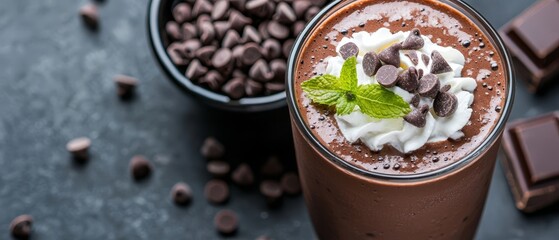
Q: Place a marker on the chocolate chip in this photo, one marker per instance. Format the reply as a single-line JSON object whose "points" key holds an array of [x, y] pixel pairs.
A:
{"points": [[218, 169], [212, 80], [349, 50], [439, 63], [250, 54], [221, 27], [429, 86], [195, 70], [181, 193], [414, 41], [212, 148], [260, 71], [417, 117], [201, 7], [287, 46], [298, 27], [189, 47], [90, 16], [207, 32], [391, 55], [445, 88], [238, 21], [413, 57], [272, 168], [205, 54], [371, 63], [175, 54], [239, 74], [140, 167], [234, 88], [271, 49], [216, 191], [182, 13], [272, 191], [445, 104], [425, 59], [290, 183], [173, 30], [415, 100], [273, 87], [222, 60], [79, 148], [419, 73], [238, 4], [189, 31], [259, 8], [226, 222], [408, 79], [231, 39], [284, 14], [253, 88], [243, 175], [21, 227], [300, 8], [125, 85], [278, 67], [387, 76], [278, 30], [250, 34], [263, 30], [311, 12], [220, 10]]}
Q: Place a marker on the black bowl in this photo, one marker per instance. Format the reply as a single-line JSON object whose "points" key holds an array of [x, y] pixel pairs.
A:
{"points": [[159, 13]]}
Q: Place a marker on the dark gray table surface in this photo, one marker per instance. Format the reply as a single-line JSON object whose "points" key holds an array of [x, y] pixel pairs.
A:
{"points": [[55, 84]]}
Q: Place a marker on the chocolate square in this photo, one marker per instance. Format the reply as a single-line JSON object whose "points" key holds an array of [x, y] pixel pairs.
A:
{"points": [[533, 39], [532, 161]]}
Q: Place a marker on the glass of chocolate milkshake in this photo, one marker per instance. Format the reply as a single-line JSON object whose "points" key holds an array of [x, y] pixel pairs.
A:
{"points": [[397, 110]]}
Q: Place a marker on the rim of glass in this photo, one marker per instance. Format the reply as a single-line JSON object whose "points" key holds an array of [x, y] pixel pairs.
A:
{"points": [[154, 34], [458, 5]]}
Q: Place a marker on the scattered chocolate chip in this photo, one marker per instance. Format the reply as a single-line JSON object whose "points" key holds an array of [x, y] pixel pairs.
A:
{"points": [[419, 73], [189, 31], [277, 30], [212, 148], [408, 79], [238, 21], [234, 88], [250, 54], [90, 15], [391, 55], [79, 148], [272, 191], [445, 104], [181, 193], [387, 76], [290, 183], [287, 46], [212, 80], [415, 100], [182, 13], [231, 39], [263, 30], [250, 34], [429, 86], [311, 12], [300, 8], [218, 169], [278, 67], [175, 54], [271, 49], [349, 50], [222, 60], [243, 175], [272, 168], [439, 63], [414, 41], [201, 7], [205, 54], [173, 30], [21, 227], [445, 88], [216, 191], [260, 71], [189, 47], [238, 4], [417, 117], [413, 57], [226, 222], [140, 167], [284, 14], [253, 88], [125, 85], [220, 10], [221, 27], [207, 32], [298, 27], [425, 59], [259, 8], [195, 70], [274, 87], [371, 63]]}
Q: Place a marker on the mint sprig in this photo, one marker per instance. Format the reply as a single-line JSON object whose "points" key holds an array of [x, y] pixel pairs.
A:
{"points": [[344, 93]]}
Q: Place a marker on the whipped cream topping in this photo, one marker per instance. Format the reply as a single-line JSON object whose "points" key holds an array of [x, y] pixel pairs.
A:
{"points": [[403, 136]]}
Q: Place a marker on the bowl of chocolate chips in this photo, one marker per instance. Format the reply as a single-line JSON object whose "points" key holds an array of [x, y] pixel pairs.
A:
{"points": [[230, 54]]}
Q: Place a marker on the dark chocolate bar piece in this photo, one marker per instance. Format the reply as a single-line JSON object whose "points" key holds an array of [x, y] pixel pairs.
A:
{"points": [[533, 39], [532, 161]]}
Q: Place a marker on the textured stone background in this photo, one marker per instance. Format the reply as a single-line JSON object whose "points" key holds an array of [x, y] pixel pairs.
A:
{"points": [[55, 84]]}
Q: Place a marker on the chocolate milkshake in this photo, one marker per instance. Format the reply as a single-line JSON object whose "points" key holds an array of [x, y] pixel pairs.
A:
{"points": [[397, 111]]}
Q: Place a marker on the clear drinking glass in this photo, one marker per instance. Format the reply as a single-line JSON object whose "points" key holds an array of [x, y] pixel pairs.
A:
{"points": [[347, 202]]}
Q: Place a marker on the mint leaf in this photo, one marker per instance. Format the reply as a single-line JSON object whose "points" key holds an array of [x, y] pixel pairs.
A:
{"points": [[323, 89], [346, 104], [348, 75], [375, 101]]}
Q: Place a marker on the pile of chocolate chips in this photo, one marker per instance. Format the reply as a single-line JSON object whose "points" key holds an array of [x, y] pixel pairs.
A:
{"points": [[385, 66], [237, 47]]}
